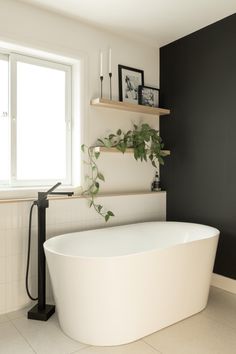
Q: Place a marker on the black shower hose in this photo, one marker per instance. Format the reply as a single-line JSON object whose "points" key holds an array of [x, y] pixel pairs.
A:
{"points": [[28, 255]]}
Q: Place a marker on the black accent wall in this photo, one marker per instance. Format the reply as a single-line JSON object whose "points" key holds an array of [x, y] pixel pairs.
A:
{"points": [[198, 84]]}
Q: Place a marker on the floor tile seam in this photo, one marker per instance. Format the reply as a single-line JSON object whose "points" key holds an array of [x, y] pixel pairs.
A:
{"points": [[80, 350], [224, 291], [25, 339], [223, 323], [151, 346], [90, 346], [5, 320], [15, 318]]}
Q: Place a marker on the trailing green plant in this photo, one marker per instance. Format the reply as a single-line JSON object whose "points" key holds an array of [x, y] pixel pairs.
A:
{"points": [[146, 144], [145, 141], [93, 181]]}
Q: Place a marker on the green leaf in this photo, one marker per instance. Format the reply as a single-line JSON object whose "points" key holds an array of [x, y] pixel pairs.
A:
{"points": [[101, 177], [121, 147], [91, 203], [151, 157], [97, 154], [136, 154], [111, 136], [101, 142], [96, 185], [94, 192], [154, 164], [119, 132], [107, 217], [83, 147], [161, 161], [110, 213], [107, 142], [99, 208]]}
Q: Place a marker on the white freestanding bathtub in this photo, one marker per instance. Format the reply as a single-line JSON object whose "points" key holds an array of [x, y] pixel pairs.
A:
{"points": [[115, 285]]}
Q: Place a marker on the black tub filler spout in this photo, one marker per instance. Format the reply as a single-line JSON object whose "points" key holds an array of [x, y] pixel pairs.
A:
{"points": [[41, 311]]}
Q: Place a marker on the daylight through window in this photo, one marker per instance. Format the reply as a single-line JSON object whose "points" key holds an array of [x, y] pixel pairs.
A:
{"points": [[35, 121]]}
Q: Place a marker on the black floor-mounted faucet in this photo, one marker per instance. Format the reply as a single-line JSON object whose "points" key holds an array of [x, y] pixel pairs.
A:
{"points": [[42, 311]]}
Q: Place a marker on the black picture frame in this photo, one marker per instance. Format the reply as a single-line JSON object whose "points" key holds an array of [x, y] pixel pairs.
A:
{"points": [[129, 81], [148, 96]]}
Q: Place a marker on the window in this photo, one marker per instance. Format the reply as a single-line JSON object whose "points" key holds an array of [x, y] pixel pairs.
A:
{"points": [[35, 138], [4, 121]]}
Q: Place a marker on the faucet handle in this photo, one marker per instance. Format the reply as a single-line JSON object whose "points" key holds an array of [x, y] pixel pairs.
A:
{"points": [[52, 189]]}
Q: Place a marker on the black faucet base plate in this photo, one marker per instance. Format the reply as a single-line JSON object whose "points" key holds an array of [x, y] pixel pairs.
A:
{"points": [[41, 315]]}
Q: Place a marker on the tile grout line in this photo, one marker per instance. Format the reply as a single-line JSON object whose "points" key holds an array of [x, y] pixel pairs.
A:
{"points": [[151, 346], [4, 320], [22, 316], [225, 324], [79, 350], [22, 334]]}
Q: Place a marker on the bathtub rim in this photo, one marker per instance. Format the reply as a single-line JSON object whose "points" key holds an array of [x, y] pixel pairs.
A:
{"points": [[216, 234]]}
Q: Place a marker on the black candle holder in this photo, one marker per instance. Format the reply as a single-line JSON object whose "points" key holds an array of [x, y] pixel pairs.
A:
{"points": [[101, 79], [110, 76]]}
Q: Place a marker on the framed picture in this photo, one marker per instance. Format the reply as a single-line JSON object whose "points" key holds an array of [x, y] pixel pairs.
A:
{"points": [[129, 81], [148, 96]]}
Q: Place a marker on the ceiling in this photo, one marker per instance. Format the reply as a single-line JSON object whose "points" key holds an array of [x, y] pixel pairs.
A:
{"points": [[157, 22]]}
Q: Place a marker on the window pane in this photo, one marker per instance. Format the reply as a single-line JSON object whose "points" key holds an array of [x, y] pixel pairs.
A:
{"points": [[4, 122], [41, 128]]}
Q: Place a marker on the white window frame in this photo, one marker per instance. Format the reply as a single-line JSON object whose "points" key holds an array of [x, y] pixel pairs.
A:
{"points": [[13, 59], [5, 57]]}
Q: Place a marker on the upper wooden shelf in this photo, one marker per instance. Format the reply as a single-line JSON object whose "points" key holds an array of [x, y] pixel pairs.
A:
{"points": [[125, 106]]}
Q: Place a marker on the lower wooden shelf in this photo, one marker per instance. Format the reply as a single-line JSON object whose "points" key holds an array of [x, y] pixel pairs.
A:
{"points": [[128, 150]]}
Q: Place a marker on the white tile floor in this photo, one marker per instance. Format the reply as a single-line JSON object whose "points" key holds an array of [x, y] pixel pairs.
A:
{"points": [[213, 331]]}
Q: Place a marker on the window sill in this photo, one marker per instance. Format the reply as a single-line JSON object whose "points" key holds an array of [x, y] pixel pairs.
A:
{"points": [[21, 194]]}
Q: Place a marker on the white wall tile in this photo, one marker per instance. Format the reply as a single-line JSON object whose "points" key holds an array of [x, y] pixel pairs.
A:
{"points": [[16, 241], [3, 264], [3, 298], [63, 216], [3, 241], [16, 296], [15, 267]]}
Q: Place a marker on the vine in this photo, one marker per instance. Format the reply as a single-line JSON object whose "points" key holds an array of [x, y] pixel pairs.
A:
{"points": [[146, 143]]}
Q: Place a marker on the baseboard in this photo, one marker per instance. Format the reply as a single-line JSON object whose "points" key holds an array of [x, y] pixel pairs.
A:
{"points": [[224, 283]]}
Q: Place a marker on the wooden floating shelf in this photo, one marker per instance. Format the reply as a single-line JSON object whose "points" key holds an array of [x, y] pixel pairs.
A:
{"points": [[125, 106], [128, 150]]}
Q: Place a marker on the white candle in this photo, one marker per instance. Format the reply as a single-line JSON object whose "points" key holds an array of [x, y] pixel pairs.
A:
{"points": [[110, 60], [101, 63]]}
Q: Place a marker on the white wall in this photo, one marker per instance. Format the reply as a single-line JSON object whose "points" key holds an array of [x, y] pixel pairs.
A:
{"points": [[34, 28]]}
